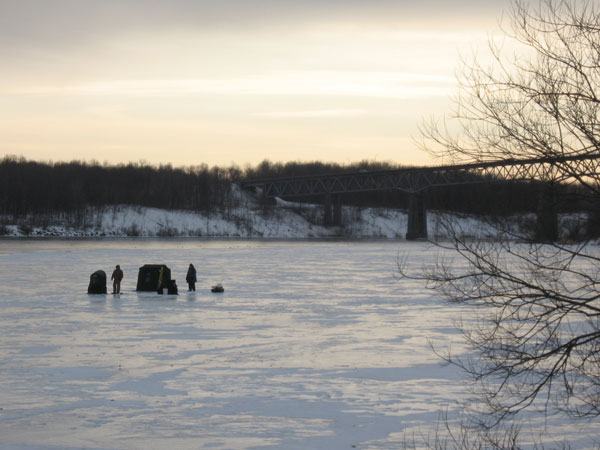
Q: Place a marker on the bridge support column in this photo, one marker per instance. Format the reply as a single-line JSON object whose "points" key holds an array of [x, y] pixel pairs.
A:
{"points": [[417, 217], [547, 215], [337, 210], [593, 222], [332, 210], [327, 211]]}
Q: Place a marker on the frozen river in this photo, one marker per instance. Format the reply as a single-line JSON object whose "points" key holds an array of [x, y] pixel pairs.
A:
{"points": [[313, 345]]}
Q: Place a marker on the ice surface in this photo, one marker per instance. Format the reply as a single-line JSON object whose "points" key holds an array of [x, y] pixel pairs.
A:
{"points": [[313, 345]]}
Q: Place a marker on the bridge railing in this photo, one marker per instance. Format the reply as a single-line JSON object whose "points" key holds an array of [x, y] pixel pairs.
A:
{"points": [[577, 168], [564, 169]]}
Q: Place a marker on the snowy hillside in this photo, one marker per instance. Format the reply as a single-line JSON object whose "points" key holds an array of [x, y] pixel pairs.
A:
{"points": [[298, 221], [248, 219]]}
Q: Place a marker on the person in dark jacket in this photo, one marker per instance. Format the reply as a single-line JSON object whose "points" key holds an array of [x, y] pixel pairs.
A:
{"points": [[117, 276], [191, 278]]}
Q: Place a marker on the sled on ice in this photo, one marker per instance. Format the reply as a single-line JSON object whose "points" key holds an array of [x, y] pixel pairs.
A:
{"points": [[217, 288]]}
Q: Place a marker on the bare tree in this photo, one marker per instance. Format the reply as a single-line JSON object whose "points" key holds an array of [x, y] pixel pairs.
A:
{"points": [[537, 343], [538, 98]]}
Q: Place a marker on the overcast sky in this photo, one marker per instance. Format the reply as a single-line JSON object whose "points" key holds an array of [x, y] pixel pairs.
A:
{"points": [[190, 82]]}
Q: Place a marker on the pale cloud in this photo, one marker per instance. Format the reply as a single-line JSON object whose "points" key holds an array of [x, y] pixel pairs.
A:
{"points": [[314, 114], [70, 22], [199, 80], [317, 83]]}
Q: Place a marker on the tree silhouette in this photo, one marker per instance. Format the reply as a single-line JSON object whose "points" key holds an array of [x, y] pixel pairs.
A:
{"points": [[537, 341]]}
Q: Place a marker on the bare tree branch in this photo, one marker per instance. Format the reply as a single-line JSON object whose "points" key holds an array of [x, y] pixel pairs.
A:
{"points": [[537, 341]]}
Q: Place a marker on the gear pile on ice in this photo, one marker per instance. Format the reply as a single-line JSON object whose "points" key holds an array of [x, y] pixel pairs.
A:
{"points": [[97, 282], [156, 278]]}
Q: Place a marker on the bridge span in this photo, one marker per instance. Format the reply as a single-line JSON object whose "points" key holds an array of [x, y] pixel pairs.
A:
{"points": [[415, 181]]}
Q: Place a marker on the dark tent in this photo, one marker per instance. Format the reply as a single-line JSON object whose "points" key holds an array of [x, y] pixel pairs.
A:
{"points": [[97, 283], [155, 278]]}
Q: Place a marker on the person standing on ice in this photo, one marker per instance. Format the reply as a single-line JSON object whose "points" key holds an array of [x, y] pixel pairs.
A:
{"points": [[117, 276], [191, 278]]}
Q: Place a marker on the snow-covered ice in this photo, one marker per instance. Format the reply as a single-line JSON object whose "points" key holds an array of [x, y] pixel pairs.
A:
{"points": [[313, 345]]}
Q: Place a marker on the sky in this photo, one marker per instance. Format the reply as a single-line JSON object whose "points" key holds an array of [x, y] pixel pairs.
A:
{"points": [[188, 82]]}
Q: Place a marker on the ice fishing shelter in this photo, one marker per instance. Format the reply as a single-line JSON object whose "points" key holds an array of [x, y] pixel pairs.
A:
{"points": [[97, 282], [156, 278]]}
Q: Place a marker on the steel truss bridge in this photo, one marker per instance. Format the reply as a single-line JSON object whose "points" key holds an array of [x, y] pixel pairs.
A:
{"points": [[567, 169]]}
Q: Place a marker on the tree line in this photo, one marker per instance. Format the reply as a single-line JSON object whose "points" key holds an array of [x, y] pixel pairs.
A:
{"points": [[30, 187]]}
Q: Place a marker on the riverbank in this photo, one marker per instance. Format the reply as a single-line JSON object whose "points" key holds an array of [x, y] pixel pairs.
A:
{"points": [[246, 218], [285, 221]]}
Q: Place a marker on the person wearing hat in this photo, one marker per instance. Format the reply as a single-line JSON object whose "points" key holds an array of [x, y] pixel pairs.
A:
{"points": [[117, 276]]}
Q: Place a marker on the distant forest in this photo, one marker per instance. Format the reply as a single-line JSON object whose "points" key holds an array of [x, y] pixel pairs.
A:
{"points": [[29, 188]]}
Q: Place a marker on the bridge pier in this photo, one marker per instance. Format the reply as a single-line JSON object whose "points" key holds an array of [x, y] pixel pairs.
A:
{"points": [[417, 217], [332, 208], [327, 211], [547, 215], [337, 210]]}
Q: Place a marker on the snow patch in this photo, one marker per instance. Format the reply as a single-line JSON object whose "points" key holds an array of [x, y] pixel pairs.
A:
{"points": [[284, 220]]}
